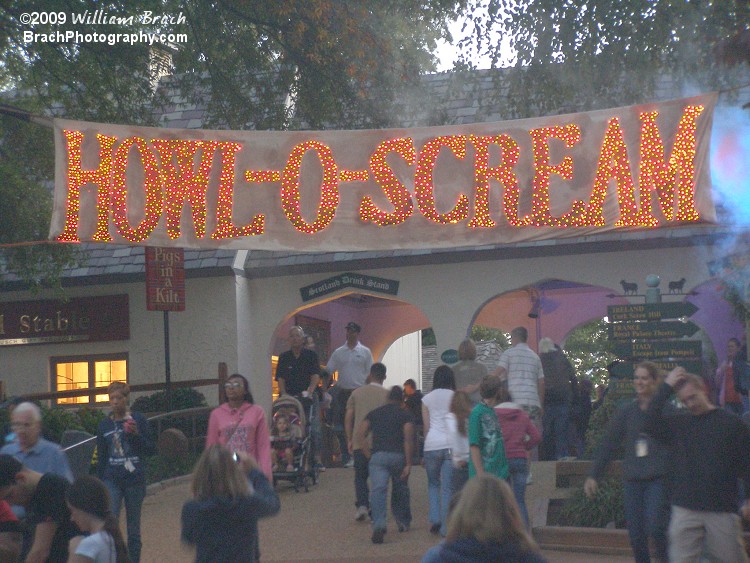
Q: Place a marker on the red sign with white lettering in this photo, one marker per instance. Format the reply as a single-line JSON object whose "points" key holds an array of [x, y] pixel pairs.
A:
{"points": [[165, 279]]}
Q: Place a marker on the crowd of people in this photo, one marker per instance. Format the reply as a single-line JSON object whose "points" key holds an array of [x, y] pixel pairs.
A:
{"points": [[685, 470]]}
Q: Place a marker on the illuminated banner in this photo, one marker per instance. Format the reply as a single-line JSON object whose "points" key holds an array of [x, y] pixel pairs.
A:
{"points": [[486, 183]]}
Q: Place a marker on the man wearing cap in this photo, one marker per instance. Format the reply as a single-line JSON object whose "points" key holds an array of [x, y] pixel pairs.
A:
{"points": [[43, 496], [352, 361]]}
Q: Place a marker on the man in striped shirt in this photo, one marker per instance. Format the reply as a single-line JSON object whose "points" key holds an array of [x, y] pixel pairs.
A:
{"points": [[522, 368]]}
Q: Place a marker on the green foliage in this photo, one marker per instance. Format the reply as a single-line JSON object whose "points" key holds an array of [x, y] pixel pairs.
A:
{"points": [[26, 203], [182, 398], [251, 65], [481, 333], [613, 52], [733, 294], [90, 417], [588, 349], [607, 506], [159, 468], [428, 337], [57, 420], [598, 426]]}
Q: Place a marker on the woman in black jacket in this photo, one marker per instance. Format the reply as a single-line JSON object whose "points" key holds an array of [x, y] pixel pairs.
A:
{"points": [[645, 467]]}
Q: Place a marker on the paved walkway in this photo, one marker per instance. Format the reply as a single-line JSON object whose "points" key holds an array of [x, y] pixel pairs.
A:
{"points": [[319, 526]]}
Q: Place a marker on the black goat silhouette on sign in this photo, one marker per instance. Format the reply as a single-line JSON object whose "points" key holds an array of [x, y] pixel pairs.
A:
{"points": [[676, 286], [629, 287]]}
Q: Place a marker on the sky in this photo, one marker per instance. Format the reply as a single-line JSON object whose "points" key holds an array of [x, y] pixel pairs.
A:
{"points": [[447, 53]]}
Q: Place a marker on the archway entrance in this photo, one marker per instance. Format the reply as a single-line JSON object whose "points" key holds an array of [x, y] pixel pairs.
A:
{"points": [[383, 320]]}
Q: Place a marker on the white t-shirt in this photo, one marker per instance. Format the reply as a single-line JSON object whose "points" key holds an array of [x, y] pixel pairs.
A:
{"points": [[438, 403], [99, 547], [353, 365], [524, 372], [459, 442]]}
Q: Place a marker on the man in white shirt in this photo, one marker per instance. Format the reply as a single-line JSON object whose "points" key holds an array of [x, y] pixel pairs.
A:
{"points": [[352, 361], [522, 368]]}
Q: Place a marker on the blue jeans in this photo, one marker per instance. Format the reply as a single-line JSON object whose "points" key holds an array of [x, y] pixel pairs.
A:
{"points": [[459, 478], [647, 515], [518, 471], [439, 468], [385, 466], [361, 474], [133, 496], [555, 421]]}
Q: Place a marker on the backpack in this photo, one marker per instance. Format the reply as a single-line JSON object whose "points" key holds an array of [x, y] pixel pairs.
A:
{"points": [[558, 376]]}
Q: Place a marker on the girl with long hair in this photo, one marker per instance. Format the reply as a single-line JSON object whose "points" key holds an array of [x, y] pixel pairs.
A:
{"points": [[240, 425], [229, 498], [457, 421], [437, 450], [485, 525], [646, 467], [89, 504]]}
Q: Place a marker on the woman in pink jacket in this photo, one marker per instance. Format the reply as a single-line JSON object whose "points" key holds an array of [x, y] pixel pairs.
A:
{"points": [[240, 425], [519, 436]]}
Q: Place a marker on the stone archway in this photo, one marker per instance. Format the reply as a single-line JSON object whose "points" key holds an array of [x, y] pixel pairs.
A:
{"points": [[383, 321]]}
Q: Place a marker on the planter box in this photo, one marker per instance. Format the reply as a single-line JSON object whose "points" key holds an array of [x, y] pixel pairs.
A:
{"points": [[573, 473], [584, 540], [591, 540]]}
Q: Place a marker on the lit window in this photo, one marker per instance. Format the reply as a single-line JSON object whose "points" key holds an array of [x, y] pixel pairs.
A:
{"points": [[86, 372]]}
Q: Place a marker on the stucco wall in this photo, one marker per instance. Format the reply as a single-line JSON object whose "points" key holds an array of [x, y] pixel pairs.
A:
{"points": [[200, 337], [449, 296]]}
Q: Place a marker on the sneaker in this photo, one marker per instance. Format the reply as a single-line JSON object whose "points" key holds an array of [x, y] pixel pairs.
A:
{"points": [[529, 479], [320, 467], [349, 463], [361, 514], [402, 527], [378, 535]]}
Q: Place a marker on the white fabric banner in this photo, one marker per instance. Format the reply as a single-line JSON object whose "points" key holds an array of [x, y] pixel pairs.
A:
{"points": [[434, 187]]}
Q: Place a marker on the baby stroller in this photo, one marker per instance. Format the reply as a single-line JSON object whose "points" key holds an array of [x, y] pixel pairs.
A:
{"points": [[304, 472]]}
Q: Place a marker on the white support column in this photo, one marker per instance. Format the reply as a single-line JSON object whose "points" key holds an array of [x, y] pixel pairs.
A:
{"points": [[252, 358]]}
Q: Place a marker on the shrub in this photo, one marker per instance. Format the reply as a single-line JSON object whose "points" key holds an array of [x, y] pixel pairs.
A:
{"points": [[606, 506], [56, 420], [90, 417], [598, 426], [159, 468], [183, 398]]}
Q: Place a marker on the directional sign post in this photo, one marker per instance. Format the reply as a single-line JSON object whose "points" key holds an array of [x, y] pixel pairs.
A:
{"points": [[655, 332], [651, 330], [626, 369], [659, 349], [650, 311]]}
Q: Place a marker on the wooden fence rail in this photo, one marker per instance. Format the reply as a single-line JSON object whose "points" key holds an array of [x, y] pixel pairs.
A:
{"points": [[93, 391]]}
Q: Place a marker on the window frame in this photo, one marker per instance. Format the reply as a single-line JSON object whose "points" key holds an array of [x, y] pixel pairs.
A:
{"points": [[91, 360]]}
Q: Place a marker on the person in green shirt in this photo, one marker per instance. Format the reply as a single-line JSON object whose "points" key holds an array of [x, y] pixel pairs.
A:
{"points": [[485, 438]]}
